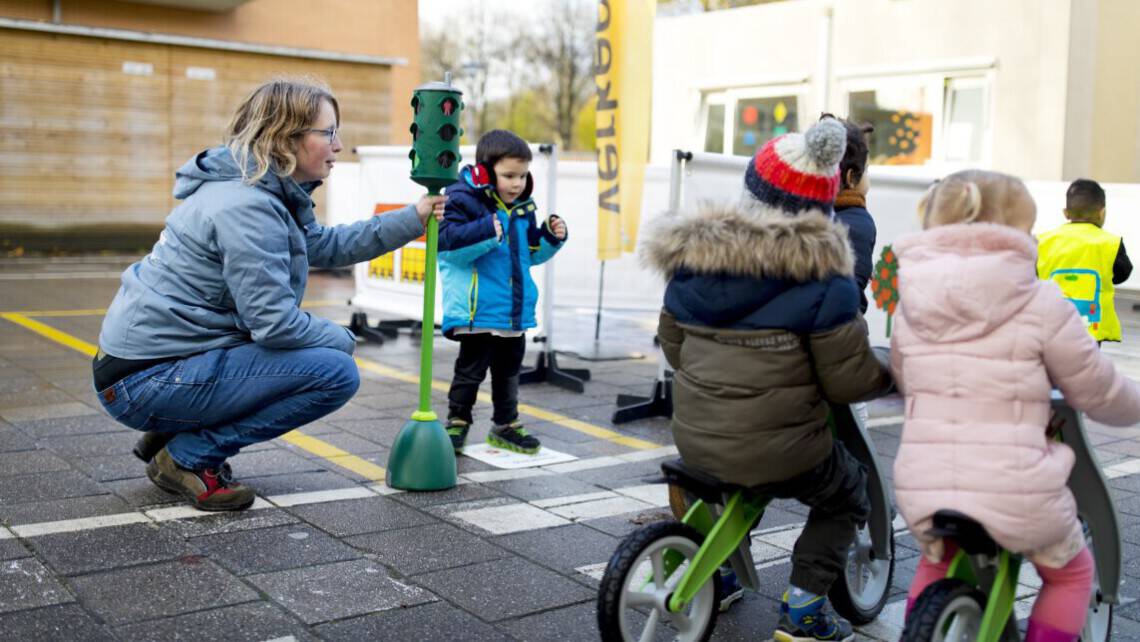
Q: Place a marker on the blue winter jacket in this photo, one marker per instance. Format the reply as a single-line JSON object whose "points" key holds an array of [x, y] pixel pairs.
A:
{"points": [[861, 230], [231, 265], [486, 281]]}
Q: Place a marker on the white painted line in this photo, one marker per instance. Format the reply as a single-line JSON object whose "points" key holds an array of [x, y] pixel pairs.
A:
{"points": [[287, 638], [585, 464], [175, 512], [655, 494], [512, 518], [889, 624], [601, 508], [384, 489], [1123, 468], [81, 524], [320, 496], [595, 571], [6, 534], [646, 455], [485, 476], [572, 499], [884, 421], [171, 513], [785, 539]]}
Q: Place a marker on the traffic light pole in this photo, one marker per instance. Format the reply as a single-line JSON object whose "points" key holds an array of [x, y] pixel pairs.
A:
{"points": [[422, 457]]}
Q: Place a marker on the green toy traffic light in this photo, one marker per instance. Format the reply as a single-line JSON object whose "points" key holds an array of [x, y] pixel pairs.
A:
{"points": [[422, 457], [435, 134]]}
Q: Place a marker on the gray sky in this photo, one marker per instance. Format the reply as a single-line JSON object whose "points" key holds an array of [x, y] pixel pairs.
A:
{"points": [[438, 12]]}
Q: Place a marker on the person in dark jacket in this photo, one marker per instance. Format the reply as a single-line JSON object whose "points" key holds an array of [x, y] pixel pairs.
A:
{"points": [[761, 324], [851, 204], [205, 348], [488, 241]]}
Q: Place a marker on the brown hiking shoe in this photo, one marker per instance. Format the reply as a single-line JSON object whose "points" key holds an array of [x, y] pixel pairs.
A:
{"points": [[206, 489]]}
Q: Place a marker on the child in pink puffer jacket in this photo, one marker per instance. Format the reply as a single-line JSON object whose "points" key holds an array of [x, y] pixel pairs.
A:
{"points": [[978, 344]]}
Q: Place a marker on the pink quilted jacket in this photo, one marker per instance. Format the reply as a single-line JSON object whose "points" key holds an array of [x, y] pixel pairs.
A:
{"points": [[977, 342]]}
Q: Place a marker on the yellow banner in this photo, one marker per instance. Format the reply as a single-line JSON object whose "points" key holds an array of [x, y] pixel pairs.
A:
{"points": [[623, 71]]}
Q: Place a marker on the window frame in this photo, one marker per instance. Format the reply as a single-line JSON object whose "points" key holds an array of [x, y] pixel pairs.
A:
{"points": [[936, 88], [729, 97]]}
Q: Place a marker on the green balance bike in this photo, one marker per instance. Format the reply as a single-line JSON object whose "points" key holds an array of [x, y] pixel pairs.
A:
{"points": [[975, 602], [662, 581]]}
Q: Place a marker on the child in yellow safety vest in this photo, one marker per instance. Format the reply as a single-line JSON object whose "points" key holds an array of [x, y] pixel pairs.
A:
{"points": [[1085, 260]]}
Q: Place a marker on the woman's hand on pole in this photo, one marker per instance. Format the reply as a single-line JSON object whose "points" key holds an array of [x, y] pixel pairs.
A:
{"points": [[429, 205]]}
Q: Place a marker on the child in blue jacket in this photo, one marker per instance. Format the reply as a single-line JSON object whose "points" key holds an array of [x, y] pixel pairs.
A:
{"points": [[488, 241]]}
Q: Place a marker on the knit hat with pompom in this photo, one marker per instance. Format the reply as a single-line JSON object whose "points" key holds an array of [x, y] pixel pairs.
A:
{"points": [[798, 172]]}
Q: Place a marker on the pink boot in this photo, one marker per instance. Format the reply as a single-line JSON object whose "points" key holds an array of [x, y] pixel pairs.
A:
{"points": [[1039, 632]]}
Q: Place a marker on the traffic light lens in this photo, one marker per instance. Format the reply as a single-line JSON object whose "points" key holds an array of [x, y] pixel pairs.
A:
{"points": [[415, 131], [447, 132], [415, 104], [446, 158], [448, 106]]}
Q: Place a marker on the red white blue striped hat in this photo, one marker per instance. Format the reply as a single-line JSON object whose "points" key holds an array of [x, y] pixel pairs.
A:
{"points": [[797, 172]]}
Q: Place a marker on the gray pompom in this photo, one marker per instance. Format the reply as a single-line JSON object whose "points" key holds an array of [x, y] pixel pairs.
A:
{"points": [[826, 141]]}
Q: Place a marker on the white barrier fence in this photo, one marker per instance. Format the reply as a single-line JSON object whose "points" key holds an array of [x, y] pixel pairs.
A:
{"points": [[392, 283]]}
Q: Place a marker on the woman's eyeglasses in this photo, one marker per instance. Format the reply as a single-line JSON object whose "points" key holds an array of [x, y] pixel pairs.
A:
{"points": [[330, 133]]}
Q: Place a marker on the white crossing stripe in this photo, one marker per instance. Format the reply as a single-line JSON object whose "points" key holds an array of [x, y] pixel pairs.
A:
{"points": [[1123, 468], [485, 476], [511, 518], [320, 496], [6, 534], [81, 524], [646, 455], [585, 464], [600, 508], [573, 499], [878, 422]]}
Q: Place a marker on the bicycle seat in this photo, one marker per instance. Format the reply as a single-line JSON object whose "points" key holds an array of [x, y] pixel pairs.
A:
{"points": [[701, 484], [969, 534]]}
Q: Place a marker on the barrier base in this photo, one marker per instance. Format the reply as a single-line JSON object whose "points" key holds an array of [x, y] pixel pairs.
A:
{"points": [[546, 370], [658, 404]]}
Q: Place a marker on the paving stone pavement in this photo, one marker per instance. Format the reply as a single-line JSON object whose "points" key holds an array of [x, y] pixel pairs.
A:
{"points": [[90, 550]]}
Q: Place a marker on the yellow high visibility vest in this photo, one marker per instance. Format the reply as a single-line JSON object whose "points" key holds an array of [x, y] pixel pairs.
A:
{"points": [[1079, 257]]}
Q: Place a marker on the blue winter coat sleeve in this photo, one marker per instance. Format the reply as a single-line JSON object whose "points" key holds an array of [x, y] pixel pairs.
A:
{"points": [[340, 245], [254, 245], [861, 231], [544, 244], [467, 231]]}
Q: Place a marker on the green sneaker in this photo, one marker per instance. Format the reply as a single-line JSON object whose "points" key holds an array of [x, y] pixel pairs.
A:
{"points": [[809, 622], [457, 430], [515, 438]]}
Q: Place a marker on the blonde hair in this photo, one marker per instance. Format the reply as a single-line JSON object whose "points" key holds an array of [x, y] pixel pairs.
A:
{"points": [[978, 196], [267, 123]]}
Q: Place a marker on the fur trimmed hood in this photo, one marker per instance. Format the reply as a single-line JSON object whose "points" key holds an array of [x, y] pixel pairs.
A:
{"points": [[750, 241]]}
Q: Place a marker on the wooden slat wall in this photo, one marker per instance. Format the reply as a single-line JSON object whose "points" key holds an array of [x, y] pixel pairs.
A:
{"points": [[82, 142]]}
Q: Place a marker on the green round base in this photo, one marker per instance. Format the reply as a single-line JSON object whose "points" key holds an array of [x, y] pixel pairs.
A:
{"points": [[422, 458]]}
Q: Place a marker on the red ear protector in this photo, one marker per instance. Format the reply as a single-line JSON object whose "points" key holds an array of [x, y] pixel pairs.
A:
{"points": [[483, 175]]}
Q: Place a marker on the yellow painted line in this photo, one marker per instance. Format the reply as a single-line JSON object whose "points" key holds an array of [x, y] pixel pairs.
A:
{"points": [[94, 312], [335, 455], [604, 434], [51, 333], [63, 313], [319, 448]]}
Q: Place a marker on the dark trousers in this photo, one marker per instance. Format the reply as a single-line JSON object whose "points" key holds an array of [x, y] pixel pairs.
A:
{"points": [[836, 492], [477, 352]]}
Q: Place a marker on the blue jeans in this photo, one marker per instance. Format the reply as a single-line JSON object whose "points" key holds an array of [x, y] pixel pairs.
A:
{"points": [[221, 401]]}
